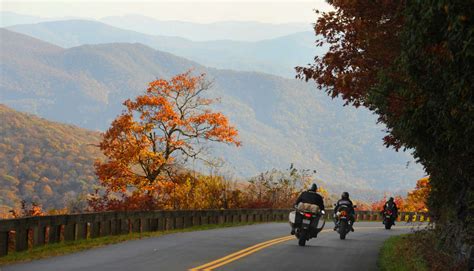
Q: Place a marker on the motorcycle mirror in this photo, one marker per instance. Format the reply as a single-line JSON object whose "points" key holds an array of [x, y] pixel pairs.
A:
{"points": [[334, 205]]}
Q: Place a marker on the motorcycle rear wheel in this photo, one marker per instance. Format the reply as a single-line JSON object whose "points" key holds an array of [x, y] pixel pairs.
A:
{"points": [[302, 241], [343, 231]]}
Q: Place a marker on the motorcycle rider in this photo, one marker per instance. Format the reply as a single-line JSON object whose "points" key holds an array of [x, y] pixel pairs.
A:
{"points": [[312, 197], [391, 205], [347, 202]]}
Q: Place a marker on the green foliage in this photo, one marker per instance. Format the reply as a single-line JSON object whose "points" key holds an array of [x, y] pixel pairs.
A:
{"points": [[412, 63], [427, 101], [43, 162], [417, 251]]}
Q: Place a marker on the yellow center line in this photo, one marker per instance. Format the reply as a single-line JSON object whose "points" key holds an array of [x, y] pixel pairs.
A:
{"points": [[237, 253], [246, 253], [250, 250]]}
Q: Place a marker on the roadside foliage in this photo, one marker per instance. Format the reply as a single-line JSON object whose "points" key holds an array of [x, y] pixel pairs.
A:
{"points": [[193, 190], [412, 63]]}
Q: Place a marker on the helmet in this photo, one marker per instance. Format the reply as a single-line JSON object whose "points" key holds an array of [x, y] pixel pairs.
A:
{"points": [[345, 195], [390, 199], [313, 188]]}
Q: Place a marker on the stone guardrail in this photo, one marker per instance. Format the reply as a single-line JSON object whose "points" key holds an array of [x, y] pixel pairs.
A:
{"points": [[24, 233]]}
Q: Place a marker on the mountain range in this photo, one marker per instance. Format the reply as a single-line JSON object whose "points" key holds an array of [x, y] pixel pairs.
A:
{"points": [[281, 121], [223, 30], [277, 56]]}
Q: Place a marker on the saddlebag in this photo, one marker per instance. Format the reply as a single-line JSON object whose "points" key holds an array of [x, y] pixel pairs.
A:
{"points": [[307, 207]]}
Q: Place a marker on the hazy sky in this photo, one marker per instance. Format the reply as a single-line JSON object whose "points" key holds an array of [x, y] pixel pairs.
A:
{"points": [[280, 11]]}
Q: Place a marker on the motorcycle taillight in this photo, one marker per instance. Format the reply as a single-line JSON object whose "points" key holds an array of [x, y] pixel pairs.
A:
{"points": [[307, 214]]}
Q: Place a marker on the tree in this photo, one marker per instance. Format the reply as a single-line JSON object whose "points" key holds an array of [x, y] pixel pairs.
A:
{"points": [[412, 63], [26, 210], [361, 40], [416, 199], [278, 188], [166, 125]]}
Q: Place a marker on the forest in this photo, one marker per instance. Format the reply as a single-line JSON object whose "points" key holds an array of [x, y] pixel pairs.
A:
{"points": [[43, 162]]}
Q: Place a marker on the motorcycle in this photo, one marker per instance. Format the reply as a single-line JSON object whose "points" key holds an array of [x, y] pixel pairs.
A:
{"points": [[388, 219], [343, 225], [305, 220]]}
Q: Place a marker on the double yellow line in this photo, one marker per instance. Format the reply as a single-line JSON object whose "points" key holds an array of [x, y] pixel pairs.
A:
{"points": [[240, 254], [247, 251]]}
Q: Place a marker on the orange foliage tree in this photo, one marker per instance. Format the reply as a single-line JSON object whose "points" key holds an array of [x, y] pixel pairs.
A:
{"points": [[183, 191], [199, 191], [26, 210], [378, 205], [416, 199], [156, 131]]}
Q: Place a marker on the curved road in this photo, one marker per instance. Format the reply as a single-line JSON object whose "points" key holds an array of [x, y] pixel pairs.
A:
{"points": [[254, 247]]}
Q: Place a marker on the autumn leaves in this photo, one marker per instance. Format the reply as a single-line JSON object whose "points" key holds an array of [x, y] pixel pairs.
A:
{"points": [[146, 145]]}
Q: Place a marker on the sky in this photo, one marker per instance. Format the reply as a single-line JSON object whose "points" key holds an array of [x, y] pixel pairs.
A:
{"points": [[279, 11]]}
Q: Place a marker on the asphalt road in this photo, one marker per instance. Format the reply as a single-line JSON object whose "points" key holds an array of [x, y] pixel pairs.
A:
{"points": [[184, 251]]}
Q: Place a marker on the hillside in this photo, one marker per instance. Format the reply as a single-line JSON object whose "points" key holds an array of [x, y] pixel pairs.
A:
{"points": [[43, 161], [281, 121], [277, 56]]}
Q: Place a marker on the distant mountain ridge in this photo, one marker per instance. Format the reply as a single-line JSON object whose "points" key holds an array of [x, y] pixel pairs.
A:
{"points": [[223, 30], [277, 56], [281, 121], [8, 18], [11, 18]]}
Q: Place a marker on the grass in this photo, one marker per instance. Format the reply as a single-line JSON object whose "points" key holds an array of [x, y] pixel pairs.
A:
{"points": [[418, 251], [399, 254], [63, 248]]}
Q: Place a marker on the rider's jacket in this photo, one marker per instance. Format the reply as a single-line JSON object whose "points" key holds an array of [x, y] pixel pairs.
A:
{"points": [[346, 202], [312, 198], [391, 206]]}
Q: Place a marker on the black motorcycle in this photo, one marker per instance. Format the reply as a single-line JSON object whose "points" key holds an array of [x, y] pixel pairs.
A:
{"points": [[343, 221], [306, 225], [388, 219]]}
